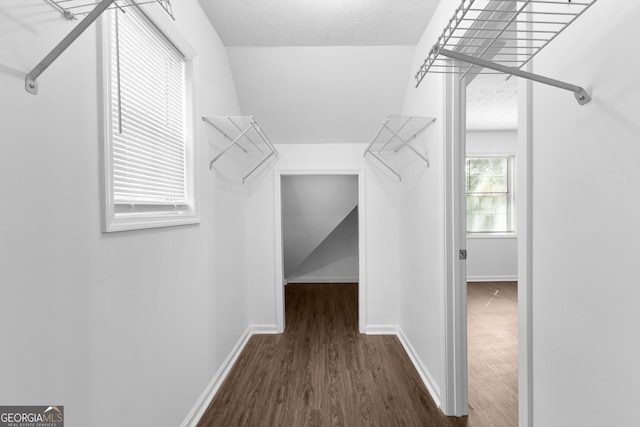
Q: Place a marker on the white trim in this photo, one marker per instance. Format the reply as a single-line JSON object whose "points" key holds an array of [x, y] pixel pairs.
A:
{"points": [[201, 405], [524, 213], [382, 330], [193, 417], [214, 385], [511, 278], [454, 396], [263, 329], [425, 375], [492, 235], [280, 281], [324, 279], [112, 221]]}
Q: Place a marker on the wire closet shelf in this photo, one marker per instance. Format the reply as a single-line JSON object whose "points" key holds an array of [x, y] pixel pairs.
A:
{"points": [[395, 133], [71, 9], [246, 137], [90, 10], [502, 37]]}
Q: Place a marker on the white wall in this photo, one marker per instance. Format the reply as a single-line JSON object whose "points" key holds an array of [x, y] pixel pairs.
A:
{"points": [[421, 208], [492, 258], [381, 273], [321, 94], [133, 323], [492, 142], [585, 213], [335, 260]]}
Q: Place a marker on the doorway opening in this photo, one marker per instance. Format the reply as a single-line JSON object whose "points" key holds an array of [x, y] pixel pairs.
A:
{"points": [[319, 236], [461, 251], [491, 147]]}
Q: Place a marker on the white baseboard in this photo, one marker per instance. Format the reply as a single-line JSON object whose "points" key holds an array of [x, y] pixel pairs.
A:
{"points": [[324, 279], [492, 278], [381, 330], [424, 373], [207, 396], [265, 329]]}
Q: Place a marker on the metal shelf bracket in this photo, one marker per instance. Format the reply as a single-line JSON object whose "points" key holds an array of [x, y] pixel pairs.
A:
{"points": [[395, 133], [581, 95], [244, 133], [502, 36], [31, 83]]}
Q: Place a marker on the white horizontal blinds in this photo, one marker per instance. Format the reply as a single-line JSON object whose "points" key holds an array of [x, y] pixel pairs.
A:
{"points": [[149, 112]]}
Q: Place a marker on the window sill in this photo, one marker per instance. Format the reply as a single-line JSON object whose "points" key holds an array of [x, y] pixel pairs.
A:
{"points": [[492, 236], [127, 223]]}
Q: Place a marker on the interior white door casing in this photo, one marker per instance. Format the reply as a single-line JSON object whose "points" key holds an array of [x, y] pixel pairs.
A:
{"points": [[455, 397], [455, 400], [279, 253]]}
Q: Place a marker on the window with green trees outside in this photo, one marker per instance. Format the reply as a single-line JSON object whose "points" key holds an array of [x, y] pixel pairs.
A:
{"points": [[490, 197]]}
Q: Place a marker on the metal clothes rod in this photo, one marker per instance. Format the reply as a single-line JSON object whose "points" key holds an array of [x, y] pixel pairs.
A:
{"points": [[78, 7], [244, 178], [30, 83], [395, 133], [228, 147], [239, 129], [250, 140], [491, 34], [385, 164], [581, 95]]}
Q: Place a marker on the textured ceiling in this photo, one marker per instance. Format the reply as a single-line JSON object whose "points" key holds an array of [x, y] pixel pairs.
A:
{"points": [[492, 103], [319, 22]]}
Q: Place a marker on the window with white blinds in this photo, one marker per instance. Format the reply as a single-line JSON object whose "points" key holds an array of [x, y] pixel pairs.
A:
{"points": [[150, 148]]}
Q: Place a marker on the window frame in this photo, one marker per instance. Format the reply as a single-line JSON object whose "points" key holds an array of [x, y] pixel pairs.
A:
{"points": [[511, 196], [149, 216]]}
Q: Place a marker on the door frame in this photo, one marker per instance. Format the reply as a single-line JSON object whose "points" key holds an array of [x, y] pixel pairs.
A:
{"points": [[455, 399], [279, 257]]}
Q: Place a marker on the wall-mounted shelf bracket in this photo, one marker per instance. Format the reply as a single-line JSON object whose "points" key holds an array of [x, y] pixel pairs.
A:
{"points": [[581, 95], [244, 134], [395, 133], [502, 36], [31, 84]]}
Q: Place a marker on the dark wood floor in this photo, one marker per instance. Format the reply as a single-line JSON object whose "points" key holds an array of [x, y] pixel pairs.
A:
{"points": [[322, 372], [492, 340]]}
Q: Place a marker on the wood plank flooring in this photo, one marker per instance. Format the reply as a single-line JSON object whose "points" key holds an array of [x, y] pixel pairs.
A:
{"points": [[322, 372], [492, 340]]}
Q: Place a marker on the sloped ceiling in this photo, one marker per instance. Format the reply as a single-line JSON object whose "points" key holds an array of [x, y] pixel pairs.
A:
{"points": [[321, 94], [314, 71]]}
